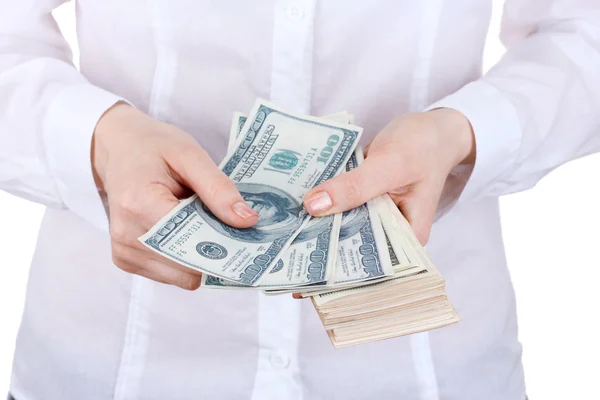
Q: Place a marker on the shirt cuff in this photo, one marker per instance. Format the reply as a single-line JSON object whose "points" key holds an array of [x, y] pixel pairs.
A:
{"points": [[497, 129], [67, 137]]}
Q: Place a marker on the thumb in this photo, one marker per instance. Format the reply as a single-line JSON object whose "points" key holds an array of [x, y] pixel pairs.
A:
{"points": [[197, 171], [348, 190]]}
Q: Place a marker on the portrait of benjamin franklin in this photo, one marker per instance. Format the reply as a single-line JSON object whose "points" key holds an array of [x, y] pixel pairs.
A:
{"points": [[278, 214], [353, 220]]}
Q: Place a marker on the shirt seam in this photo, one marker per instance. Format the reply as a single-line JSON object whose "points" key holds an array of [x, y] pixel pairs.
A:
{"points": [[419, 97]]}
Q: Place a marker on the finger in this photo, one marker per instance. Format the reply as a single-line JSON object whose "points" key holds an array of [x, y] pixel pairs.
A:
{"points": [[419, 208], [141, 256], [158, 202], [164, 273], [171, 276], [159, 260], [136, 210], [187, 279], [351, 189], [216, 190]]}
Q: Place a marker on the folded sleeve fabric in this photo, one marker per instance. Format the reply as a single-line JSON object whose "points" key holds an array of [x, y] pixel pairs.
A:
{"points": [[539, 107], [48, 113]]}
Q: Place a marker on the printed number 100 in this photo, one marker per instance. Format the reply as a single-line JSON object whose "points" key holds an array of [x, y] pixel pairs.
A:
{"points": [[327, 151]]}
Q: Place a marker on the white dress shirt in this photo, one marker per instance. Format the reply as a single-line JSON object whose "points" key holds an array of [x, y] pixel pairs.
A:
{"points": [[91, 331]]}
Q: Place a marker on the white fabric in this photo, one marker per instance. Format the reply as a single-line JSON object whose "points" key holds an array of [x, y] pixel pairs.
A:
{"points": [[91, 331]]}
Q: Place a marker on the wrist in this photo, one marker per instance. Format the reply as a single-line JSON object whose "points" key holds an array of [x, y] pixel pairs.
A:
{"points": [[457, 134]]}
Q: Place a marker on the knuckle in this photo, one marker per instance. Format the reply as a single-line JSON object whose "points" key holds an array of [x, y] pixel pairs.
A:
{"points": [[121, 258], [117, 260], [119, 231], [220, 188], [387, 169], [129, 203], [122, 264], [190, 282], [189, 153], [129, 268], [392, 177], [186, 156], [118, 255], [353, 191]]}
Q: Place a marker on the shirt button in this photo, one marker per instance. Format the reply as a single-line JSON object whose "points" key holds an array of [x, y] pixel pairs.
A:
{"points": [[295, 13], [279, 360]]}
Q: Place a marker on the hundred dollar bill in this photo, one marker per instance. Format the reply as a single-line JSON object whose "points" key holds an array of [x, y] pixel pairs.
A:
{"points": [[277, 159], [322, 287], [363, 252], [416, 265], [401, 266], [362, 247], [406, 268], [310, 258]]}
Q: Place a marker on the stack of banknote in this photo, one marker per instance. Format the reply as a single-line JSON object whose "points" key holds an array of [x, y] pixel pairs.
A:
{"points": [[366, 273]]}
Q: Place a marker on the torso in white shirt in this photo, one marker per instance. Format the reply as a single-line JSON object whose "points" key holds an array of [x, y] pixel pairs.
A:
{"points": [[91, 331]]}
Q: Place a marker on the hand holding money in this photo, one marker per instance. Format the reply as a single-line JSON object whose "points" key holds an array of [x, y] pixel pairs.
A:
{"points": [[144, 166], [410, 160], [367, 274], [278, 157]]}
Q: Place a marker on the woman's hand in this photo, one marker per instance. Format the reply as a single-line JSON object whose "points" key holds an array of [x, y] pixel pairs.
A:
{"points": [[410, 159], [145, 166]]}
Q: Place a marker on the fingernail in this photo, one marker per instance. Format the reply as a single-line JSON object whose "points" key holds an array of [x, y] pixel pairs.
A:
{"points": [[243, 210], [318, 203]]}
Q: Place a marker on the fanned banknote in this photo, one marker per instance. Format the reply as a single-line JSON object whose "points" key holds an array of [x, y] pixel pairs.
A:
{"points": [[310, 258], [362, 247], [277, 159], [363, 252], [235, 129]]}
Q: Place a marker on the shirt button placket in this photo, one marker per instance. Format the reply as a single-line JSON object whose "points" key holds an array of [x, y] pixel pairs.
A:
{"points": [[295, 13], [279, 316], [291, 75], [280, 360]]}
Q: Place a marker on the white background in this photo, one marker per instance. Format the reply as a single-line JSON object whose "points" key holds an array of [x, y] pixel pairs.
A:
{"points": [[552, 243]]}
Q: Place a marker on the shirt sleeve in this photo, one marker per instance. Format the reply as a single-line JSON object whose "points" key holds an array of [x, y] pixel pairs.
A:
{"points": [[48, 113], [539, 107]]}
